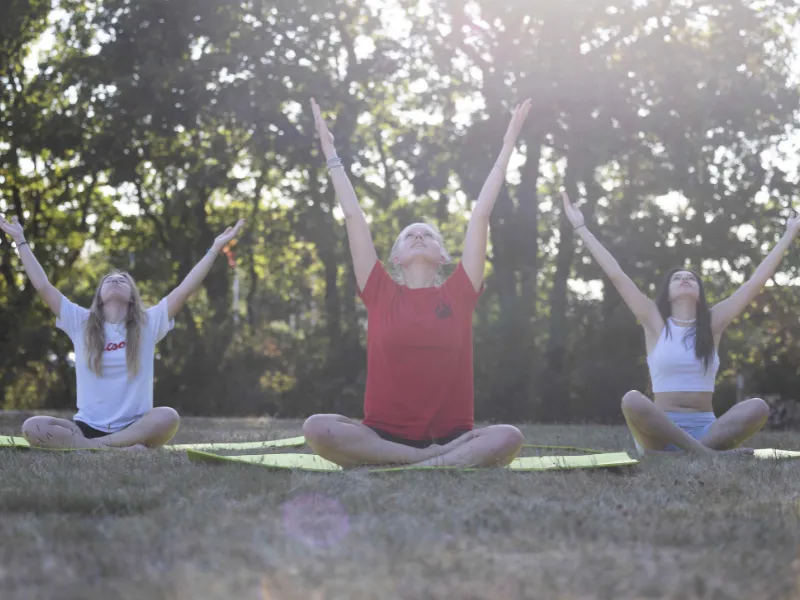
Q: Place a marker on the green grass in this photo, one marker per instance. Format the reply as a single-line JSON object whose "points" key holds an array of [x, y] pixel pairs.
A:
{"points": [[91, 526]]}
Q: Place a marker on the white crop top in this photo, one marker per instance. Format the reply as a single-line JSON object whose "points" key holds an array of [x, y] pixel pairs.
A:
{"points": [[674, 366]]}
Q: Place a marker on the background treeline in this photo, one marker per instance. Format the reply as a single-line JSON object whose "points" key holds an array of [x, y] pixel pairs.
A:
{"points": [[131, 133]]}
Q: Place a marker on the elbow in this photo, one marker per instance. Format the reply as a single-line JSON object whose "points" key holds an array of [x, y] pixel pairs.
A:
{"points": [[43, 285], [617, 276]]}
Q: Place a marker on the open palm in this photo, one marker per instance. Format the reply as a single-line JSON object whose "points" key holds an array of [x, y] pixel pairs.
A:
{"points": [[325, 136], [226, 236], [793, 223], [517, 120], [12, 228]]}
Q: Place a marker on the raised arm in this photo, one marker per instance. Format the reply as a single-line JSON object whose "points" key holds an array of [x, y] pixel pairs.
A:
{"points": [[36, 274], [362, 249], [643, 308], [727, 310], [474, 256], [178, 297]]}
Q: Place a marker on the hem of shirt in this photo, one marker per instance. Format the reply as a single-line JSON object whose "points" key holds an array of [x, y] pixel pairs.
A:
{"points": [[683, 391]]}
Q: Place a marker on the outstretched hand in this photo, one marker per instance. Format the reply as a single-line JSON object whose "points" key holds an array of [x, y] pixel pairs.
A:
{"points": [[13, 228], [325, 136], [573, 214], [517, 120], [226, 236]]}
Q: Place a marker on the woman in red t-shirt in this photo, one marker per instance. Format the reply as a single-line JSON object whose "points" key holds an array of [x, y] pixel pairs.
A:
{"points": [[419, 396]]}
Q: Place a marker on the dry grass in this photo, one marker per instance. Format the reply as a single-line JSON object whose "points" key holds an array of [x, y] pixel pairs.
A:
{"points": [[155, 526]]}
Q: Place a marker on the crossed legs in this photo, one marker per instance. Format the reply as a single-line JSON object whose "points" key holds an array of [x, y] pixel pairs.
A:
{"points": [[654, 431], [349, 443], [154, 429]]}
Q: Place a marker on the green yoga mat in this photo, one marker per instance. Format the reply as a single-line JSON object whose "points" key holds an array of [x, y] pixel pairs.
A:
{"points": [[312, 462], [302, 462], [284, 443], [543, 463], [776, 454], [7, 441]]}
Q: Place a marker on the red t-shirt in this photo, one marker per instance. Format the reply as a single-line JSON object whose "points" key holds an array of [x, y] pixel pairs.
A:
{"points": [[419, 356]]}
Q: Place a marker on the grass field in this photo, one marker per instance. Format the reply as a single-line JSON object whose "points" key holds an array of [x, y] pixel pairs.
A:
{"points": [[120, 526]]}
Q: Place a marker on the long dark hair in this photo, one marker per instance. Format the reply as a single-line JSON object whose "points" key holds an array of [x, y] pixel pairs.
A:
{"points": [[701, 332]]}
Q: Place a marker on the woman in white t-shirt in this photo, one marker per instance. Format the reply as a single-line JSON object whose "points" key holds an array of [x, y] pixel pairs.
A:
{"points": [[115, 344]]}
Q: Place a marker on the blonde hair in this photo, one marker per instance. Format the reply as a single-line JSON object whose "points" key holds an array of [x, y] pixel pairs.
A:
{"points": [[95, 337], [397, 270]]}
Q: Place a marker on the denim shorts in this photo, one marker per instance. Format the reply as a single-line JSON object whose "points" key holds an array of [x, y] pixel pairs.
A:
{"points": [[696, 424]]}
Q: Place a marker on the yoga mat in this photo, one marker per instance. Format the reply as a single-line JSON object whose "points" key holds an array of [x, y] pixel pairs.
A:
{"points": [[294, 441], [542, 463], [312, 462], [302, 462], [8, 441], [775, 454], [573, 448], [591, 461]]}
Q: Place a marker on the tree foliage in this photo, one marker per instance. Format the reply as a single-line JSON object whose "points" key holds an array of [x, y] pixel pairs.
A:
{"points": [[148, 126]]}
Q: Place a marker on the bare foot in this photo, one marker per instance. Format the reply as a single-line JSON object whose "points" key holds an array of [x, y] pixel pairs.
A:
{"points": [[135, 448]]}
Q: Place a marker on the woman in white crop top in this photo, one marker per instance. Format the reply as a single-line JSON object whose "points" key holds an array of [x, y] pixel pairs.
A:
{"points": [[115, 344], [682, 335]]}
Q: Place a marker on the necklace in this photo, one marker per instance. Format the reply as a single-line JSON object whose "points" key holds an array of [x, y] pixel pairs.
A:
{"points": [[119, 328], [684, 323]]}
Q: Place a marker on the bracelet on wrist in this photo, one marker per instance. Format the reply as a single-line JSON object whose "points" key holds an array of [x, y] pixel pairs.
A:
{"points": [[333, 162], [22, 243], [578, 227]]}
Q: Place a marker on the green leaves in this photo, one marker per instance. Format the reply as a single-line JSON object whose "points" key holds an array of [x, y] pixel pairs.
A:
{"points": [[150, 126]]}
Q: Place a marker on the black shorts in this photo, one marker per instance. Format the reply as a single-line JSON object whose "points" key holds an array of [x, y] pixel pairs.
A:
{"points": [[90, 432], [419, 443]]}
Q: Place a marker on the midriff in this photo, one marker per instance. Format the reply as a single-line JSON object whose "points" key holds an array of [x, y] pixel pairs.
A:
{"points": [[684, 401]]}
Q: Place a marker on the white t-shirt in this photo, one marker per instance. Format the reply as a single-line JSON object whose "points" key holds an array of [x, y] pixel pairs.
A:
{"points": [[113, 401]]}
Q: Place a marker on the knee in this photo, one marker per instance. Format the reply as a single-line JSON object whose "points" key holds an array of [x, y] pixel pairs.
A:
{"points": [[634, 401], [759, 409], [33, 427], [510, 439], [168, 418], [318, 429]]}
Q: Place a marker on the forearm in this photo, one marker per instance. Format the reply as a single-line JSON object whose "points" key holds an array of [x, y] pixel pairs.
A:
{"points": [[603, 257], [770, 264], [493, 185], [195, 277], [345, 193], [32, 267]]}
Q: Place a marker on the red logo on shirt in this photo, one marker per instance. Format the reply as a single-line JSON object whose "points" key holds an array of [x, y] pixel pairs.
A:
{"points": [[110, 347]]}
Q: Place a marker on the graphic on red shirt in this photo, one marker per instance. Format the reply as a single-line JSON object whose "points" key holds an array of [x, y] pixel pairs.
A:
{"points": [[419, 356]]}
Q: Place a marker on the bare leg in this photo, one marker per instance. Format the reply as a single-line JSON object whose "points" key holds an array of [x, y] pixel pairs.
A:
{"points": [[493, 446], [54, 433], [349, 443], [154, 429], [652, 428], [740, 423]]}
